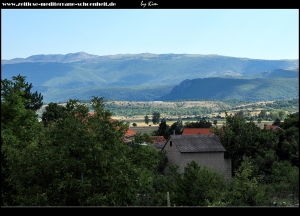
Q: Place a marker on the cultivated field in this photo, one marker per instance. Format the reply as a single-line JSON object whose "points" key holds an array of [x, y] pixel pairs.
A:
{"points": [[144, 128], [217, 109]]}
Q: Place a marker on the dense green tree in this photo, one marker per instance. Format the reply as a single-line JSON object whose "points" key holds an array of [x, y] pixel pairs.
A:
{"points": [[19, 129], [146, 119], [291, 120], [245, 190], [197, 186], [53, 112], [281, 114], [142, 137], [176, 127], [274, 115], [81, 160], [276, 122], [162, 186], [201, 123], [163, 129], [239, 114], [245, 139], [155, 117], [35, 99], [215, 122], [78, 156], [150, 164], [262, 114], [288, 146], [285, 180]]}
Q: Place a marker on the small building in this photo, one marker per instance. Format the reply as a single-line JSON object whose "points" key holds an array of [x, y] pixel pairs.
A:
{"points": [[158, 142], [205, 149], [189, 131], [130, 133], [273, 127]]}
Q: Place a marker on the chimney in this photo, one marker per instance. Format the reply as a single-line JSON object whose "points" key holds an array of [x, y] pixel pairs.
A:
{"points": [[173, 132]]}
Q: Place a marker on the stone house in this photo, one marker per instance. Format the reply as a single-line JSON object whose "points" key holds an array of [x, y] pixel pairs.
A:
{"points": [[205, 149]]}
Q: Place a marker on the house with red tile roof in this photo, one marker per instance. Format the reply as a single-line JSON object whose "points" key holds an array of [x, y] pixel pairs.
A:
{"points": [[130, 133], [189, 131], [273, 127], [158, 142]]}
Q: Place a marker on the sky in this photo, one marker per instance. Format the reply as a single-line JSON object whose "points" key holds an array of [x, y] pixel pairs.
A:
{"points": [[246, 33]]}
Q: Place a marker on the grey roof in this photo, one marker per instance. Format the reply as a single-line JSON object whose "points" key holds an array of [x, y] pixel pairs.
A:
{"points": [[198, 143], [158, 145]]}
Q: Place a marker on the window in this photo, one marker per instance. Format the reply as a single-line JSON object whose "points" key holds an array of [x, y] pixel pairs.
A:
{"points": [[171, 143]]}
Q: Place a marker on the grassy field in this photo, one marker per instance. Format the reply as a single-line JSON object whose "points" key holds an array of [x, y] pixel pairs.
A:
{"points": [[144, 128]]}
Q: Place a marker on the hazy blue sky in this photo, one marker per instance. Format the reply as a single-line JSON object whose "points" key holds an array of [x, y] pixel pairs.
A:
{"points": [[248, 33]]}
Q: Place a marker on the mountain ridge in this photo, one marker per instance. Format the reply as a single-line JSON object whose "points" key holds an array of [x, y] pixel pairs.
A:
{"points": [[239, 89], [84, 73], [81, 56]]}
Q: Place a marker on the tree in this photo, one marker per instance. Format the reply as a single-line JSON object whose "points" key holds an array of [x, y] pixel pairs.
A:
{"points": [[276, 122], [239, 114], [245, 139], [201, 123], [53, 112], [274, 115], [80, 160], [215, 122], [139, 138], [245, 189], [288, 145], [134, 124], [281, 114], [163, 129], [176, 127], [35, 100], [262, 114], [146, 119], [19, 129], [291, 120], [155, 117], [285, 180], [76, 152], [197, 186]]}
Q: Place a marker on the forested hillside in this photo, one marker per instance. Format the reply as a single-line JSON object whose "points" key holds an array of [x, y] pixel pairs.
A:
{"points": [[259, 89], [139, 76]]}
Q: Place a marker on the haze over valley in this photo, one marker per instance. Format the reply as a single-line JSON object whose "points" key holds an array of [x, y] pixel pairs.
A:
{"points": [[150, 77]]}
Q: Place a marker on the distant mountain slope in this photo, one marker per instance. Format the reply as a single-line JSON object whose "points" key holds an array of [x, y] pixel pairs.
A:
{"points": [[82, 69], [240, 89], [84, 74], [278, 73], [130, 93], [71, 57]]}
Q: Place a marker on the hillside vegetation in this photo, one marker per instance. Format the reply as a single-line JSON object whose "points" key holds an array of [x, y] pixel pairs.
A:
{"points": [[259, 89], [190, 109], [146, 76]]}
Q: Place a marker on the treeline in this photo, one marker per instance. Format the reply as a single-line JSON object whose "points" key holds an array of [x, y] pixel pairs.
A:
{"points": [[134, 111], [72, 158], [130, 110], [242, 89], [288, 105]]}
